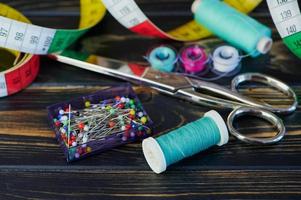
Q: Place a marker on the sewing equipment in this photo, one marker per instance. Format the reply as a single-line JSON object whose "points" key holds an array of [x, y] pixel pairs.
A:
{"points": [[211, 54], [239, 30], [187, 88], [193, 61], [17, 33]]}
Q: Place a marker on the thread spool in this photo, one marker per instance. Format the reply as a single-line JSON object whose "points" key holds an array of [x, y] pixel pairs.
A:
{"points": [[162, 58], [232, 26], [186, 141], [193, 58], [225, 59]]}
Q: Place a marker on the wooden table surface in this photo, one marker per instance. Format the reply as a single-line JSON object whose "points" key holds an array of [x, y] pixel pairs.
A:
{"points": [[33, 166]]}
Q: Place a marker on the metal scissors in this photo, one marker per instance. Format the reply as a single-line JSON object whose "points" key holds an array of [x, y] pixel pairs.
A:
{"points": [[187, 88]]}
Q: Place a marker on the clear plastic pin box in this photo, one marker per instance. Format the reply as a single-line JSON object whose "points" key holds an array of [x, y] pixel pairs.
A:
{"points": [[94, 123]]}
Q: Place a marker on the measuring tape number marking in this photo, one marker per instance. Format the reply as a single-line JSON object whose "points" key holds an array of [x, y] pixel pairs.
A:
{"points": [[287, 18], [17, 33]]}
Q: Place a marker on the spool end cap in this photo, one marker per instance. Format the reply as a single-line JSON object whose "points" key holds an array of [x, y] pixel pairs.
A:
{"points": [[154, 155], [264, 45], [221, 126], [195, 5]]}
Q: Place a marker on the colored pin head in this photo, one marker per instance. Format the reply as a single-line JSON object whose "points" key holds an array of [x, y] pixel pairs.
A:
{"points": [[162, 58], [193, 58]]}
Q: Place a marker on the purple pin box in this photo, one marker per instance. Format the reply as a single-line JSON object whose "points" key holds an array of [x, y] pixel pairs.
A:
{"points": [[100, 121]]}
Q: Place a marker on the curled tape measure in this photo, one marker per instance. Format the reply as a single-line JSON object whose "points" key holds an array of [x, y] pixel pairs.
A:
{"points": [[287, 18], [19, 76], [16, 32], [127, 13]]}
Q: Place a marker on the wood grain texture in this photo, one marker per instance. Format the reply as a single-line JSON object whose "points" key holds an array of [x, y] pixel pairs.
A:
{"points": [[33, 166], [119, 184]]}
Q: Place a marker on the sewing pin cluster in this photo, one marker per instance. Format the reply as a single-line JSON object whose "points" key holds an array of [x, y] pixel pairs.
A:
{"points": [[120, 117]]}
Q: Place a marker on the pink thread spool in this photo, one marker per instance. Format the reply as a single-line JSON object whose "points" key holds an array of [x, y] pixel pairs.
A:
{"points": [[193, 58]]}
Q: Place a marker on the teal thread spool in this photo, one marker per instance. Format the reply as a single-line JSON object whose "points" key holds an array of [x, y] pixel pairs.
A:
{"points": [[232, 26], [162, 58], [186, 141]]}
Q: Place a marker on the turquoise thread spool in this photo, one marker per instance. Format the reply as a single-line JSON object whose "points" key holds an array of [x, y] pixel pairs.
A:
{"points": [[162, 58], [232, 26], [186, 141]]}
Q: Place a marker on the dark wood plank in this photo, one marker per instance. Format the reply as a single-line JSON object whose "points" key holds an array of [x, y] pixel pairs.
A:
{"points": [[118, 184]]}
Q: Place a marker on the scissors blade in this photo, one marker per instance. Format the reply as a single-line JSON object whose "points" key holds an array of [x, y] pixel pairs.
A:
{"points": [[169, 83], [227, 97], [165, 82], [190, 94]]}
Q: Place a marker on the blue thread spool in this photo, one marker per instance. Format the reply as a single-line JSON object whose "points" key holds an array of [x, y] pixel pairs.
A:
{"points": [[232, 26], [186, 141], [162, 58]]}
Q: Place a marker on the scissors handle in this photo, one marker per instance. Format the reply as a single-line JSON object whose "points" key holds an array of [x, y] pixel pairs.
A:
{"points": [[257, 112], [272, 82]]}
